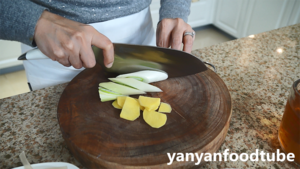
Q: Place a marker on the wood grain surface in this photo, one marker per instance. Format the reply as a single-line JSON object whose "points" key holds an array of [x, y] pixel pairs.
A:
{"points": [[99, 138]]}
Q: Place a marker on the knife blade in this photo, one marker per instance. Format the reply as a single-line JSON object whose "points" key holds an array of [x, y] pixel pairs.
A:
{"points": [[130, 58]]}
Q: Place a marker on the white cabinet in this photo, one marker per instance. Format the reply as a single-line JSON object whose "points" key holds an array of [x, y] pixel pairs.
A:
{"points": [[241, 18], [266, 15], [295, 15], [9, 52], [201, 12], [229, 16]]}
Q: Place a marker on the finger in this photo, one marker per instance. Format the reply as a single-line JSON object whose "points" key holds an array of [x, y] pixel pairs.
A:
{"points": [[79, 50], [73, 48], [188, 41], [85, 52], [177, 35], [75, 60], [60, 55], [55, 51], [106, 45], [163, 35], [64, 61]]}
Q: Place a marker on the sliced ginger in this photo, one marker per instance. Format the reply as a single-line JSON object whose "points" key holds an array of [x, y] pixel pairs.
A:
{"points": [[131, 109], [121, 100], [154, 118], [164, 108], [149, 103], [141, 107], [116, 105]]}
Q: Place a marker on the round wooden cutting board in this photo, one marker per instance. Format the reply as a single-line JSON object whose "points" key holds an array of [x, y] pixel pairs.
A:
{"points": [[99, 138]]}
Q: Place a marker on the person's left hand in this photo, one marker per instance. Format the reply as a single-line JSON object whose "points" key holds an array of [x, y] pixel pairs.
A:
{"points": [[170, 32]]}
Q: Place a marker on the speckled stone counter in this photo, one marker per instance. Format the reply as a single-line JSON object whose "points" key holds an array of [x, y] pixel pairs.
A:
{"points": [[258, 72]]}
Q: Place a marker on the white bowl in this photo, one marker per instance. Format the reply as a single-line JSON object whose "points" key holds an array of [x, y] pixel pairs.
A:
{"points": [[49, 165]]}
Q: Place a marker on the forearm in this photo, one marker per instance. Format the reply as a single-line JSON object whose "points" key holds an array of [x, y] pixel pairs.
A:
{"points": [[174, 9], [18, 20]]}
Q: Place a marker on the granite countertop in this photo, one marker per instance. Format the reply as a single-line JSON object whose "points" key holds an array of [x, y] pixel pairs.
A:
{"points": [[258, 72]]}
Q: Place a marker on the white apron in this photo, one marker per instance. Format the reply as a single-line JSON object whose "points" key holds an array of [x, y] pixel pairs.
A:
{"points": [[133, 29]]}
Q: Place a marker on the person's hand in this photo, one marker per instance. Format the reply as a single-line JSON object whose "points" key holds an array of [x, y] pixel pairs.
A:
{"points": [[69, 42], [170, 32]]}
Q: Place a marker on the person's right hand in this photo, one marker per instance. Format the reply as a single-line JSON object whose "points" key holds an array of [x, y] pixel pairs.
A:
{"points": [[69, 42]]}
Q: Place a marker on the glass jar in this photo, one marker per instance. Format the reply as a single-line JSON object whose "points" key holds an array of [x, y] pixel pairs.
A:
{"points": [[289, 131]]}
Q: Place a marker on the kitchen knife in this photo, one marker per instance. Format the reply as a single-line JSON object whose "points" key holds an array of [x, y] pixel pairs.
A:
{"points": [[131, 58]]}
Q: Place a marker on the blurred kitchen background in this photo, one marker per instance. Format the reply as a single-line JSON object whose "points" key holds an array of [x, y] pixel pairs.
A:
{"points": [[214, 21]]}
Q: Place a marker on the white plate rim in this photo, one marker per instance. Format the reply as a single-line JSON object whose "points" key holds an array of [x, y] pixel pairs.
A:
{"points": [[50, 164]]}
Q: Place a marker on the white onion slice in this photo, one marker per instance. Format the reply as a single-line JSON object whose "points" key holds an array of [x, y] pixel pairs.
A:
{"points": [[147, 76], [136, 84], [124, 90]]}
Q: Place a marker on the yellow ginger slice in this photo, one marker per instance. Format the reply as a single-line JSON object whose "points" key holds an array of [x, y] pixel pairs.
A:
{"points": [[149, 103], [131, 109], [154, 118], [116, 105], [164, 108], [141, 107], [121, 100]]}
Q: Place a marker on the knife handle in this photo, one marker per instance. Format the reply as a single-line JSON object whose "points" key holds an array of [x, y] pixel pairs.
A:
{"points": [[32, 55]]}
